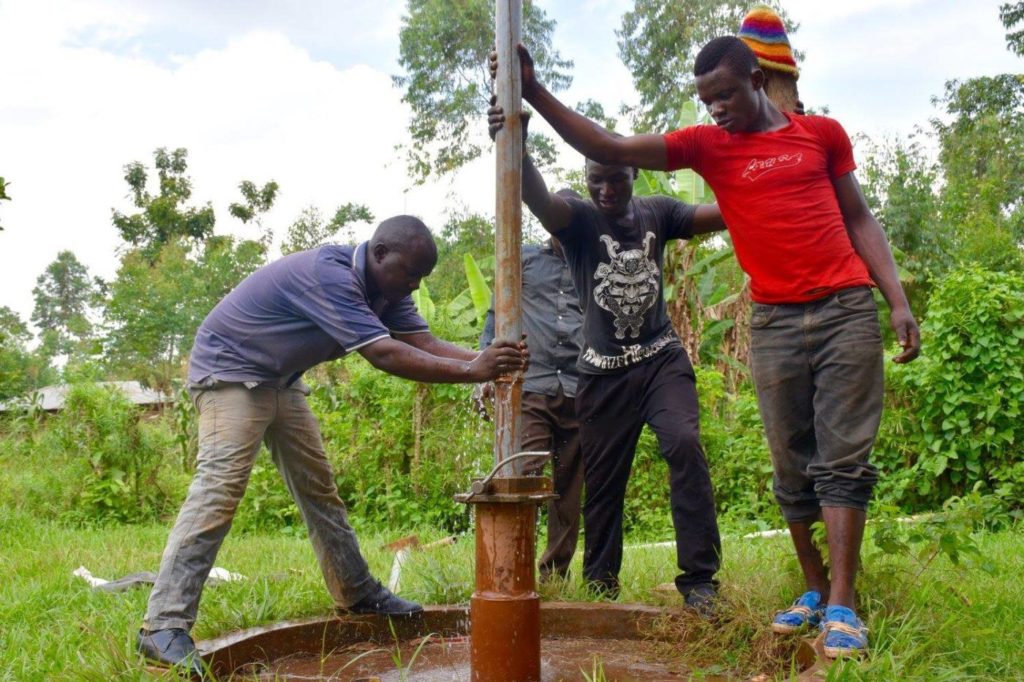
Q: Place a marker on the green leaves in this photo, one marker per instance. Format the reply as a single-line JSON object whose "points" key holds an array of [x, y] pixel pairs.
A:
{"points": [[1012, 16], [967, 390], [444, 47], [479, 290], [64, 296], [3, 194], [310, 230], [162, 217], [658, 42]]}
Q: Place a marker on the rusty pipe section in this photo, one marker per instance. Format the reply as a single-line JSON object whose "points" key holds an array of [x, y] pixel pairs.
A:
{"points": [[504, 611], [508, 229]]}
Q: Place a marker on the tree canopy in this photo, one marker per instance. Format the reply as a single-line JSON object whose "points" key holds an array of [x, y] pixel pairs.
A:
{"points": [[64, 294], [658, 42], [1012, 16], [444, 47], [162, 216], [310, 230]]}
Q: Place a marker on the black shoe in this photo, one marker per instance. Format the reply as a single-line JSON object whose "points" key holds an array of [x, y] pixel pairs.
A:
{"points": [[172, 647], [606, 588], [704, 601], [384, 602]]}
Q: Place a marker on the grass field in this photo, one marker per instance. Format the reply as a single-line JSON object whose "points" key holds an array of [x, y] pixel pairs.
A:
{"points": [[946, 623]]}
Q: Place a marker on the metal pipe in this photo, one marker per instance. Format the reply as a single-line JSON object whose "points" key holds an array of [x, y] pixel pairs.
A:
{"points": [[508, 231]]}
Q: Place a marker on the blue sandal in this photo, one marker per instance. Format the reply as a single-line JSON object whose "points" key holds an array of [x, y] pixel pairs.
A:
{"points": [[806, 611], [845, 634]]}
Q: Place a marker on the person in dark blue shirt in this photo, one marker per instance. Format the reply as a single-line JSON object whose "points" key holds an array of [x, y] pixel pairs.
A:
{"points": [[245, 378], [552, 321]]}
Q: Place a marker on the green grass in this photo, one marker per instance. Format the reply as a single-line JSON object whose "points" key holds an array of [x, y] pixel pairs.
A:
{"points": [[948, 623]]}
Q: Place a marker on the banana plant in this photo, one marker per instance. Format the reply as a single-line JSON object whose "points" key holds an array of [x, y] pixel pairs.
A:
{"points": [[461, 318], [706, 295]]}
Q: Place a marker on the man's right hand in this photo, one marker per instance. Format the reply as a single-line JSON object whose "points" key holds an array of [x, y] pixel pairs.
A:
{"points": [[496, 120], [501, 357], [527, 76]]}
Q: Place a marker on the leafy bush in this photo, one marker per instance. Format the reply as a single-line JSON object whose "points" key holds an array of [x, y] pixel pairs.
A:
{"points": [[401, 450], [118, 455], [958, 408]]}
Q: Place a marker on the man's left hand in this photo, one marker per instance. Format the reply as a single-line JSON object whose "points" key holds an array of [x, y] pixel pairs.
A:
{"points": [[903, 323]]}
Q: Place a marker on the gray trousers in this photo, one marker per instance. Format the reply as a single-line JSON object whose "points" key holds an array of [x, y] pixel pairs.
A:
{"points": [[233, 422], [550, 423], [818, 372]]}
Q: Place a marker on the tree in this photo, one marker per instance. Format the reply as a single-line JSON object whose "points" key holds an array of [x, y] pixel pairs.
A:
{"points": [[175, 270], [162, 217], [1012, 14], [443, 49], [658, 42], [3, 194], [155, 308], [21, 370], [255, 202], [64, 294], [981, 151], [309, 230], [464, 234]]}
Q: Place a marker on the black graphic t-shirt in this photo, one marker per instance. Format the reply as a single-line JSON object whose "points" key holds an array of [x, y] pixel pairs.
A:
{"points": [[616, 268]]}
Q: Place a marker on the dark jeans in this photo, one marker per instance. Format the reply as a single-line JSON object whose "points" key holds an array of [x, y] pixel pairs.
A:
{"points": [[818, 372], [613, 409], [549, 423]]}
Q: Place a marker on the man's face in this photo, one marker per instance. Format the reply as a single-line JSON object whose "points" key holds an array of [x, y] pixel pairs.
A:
{"points": [[732, 100], [610, 187], [397, 274]]}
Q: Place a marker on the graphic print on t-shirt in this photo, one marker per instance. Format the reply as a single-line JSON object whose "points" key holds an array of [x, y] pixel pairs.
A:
{"points": [[758, 167], [627, 285]]}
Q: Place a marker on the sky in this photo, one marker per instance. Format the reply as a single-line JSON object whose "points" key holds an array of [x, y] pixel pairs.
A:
{"points": [[300, 91]]}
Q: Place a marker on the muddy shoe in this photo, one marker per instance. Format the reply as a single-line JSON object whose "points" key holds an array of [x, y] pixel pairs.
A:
{"points": [[845, 634], [384, 602], [171, 647], [704, 601], [806, 612]]}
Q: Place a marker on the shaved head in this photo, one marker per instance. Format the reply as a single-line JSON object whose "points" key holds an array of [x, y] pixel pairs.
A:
{"points": [[402, 252], [405, 234]]}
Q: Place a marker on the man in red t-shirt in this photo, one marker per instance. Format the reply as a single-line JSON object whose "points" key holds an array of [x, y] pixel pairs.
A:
{"points": [[804, 234]]}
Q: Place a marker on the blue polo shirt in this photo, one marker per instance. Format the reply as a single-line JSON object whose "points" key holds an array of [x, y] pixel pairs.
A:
{"points": [[293, 314]]}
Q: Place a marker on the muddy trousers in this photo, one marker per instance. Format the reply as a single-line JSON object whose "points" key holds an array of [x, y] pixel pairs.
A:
{"points": [[233, 422], [818, 370], [549, 423], [613, 409]]}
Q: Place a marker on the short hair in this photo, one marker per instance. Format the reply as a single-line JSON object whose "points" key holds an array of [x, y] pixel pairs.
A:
{"points": [[405, 234], [728, 50]]}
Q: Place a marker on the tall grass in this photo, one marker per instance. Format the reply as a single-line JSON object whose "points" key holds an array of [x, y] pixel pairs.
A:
{"points": [[949, 623]]}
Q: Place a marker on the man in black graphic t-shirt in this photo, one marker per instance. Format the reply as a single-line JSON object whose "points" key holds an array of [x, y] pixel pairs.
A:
{"points": [[633, 369]]}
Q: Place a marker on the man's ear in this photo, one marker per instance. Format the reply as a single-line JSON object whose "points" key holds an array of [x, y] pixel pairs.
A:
{"points": [[379, 250], [757, 79]]}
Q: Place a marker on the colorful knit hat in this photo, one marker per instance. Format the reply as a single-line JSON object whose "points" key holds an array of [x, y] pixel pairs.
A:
{"points": [[764, 33]]}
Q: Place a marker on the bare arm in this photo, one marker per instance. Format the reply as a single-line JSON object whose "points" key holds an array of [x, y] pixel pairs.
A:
{"points": [[587, 137], [409, 362], [428, 343], [871, 244], [553, 212], [707, 219]]}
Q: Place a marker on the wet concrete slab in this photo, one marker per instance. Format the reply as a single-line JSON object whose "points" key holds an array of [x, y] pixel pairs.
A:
{"points": [[435, 647]]}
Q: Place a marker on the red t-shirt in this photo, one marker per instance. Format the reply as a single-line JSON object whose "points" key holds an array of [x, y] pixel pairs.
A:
{"points": [[776, 196]]}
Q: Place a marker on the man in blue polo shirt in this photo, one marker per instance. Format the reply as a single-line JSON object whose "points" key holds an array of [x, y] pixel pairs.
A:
{"points": [[245, 378]]}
